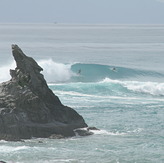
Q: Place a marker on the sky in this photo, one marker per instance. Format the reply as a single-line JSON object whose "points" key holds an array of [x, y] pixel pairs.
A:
{"points": [[82, 11]]}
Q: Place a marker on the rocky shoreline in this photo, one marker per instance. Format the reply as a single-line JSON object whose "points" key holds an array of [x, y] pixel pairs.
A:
{"points": [[28, 108]]}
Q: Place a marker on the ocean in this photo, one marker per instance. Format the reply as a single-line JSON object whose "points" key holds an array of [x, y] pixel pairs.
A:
{"points": [[112, 75]]}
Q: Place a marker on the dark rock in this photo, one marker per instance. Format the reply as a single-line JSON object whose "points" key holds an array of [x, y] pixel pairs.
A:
{"points": [[92, 128], [8, 137], [82, 132], [2, 162], [28, 108], [40, 141], [56, 136]]}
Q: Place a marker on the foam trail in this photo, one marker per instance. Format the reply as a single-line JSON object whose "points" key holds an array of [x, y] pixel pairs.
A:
{"points": [[153, 88], [56, 72], [4, 71]]}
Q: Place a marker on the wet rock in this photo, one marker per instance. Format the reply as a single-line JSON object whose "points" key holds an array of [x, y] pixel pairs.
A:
{"points": [[83, 132], [92, 128]]}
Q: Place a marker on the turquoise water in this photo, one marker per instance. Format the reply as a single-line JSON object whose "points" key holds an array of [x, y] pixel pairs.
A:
{"points": [[119, 89]]}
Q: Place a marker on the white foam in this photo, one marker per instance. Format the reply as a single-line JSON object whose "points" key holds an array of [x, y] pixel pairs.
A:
{"points": [[8, 149], [4, 71], [117, 133], [153, 88], [56, 72], [108, 80], [104, 132]]}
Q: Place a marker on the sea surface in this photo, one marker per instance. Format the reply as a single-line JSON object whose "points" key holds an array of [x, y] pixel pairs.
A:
{"points": [[113, 75]]}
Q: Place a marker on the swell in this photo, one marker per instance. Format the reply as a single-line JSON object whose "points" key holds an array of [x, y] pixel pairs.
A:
{"points": [[97, 72], [81, 72]]}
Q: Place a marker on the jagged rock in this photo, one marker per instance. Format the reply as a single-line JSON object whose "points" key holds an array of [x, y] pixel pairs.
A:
{"points": [[28, 108]]}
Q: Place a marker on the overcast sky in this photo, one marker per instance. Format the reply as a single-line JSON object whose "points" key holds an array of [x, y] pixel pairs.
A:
{"points": [[82, 11]]}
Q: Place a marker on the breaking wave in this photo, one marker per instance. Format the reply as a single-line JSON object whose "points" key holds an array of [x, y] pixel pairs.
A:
{"points": [[153, 88], [95, 78], [80, 72], [56, 72]]}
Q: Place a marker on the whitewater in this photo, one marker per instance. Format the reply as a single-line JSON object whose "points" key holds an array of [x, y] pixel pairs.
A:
{"points": [[113, 75]]}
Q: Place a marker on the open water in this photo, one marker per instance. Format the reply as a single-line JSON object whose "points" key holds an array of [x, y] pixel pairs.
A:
{"points": [[113, 75]]}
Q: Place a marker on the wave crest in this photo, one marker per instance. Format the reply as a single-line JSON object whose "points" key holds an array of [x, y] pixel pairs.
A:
{"points": [[56, 72], [153, 88]]}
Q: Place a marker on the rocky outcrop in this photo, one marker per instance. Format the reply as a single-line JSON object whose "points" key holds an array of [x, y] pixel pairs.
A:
{"points": [[85, 131], [28, 108]]}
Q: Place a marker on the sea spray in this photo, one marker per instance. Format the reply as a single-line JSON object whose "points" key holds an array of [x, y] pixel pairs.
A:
{"points": [[56, 72], [4, 71]]}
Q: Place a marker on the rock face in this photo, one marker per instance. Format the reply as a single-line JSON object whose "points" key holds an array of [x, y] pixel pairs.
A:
{"points": [[28, 108]]}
